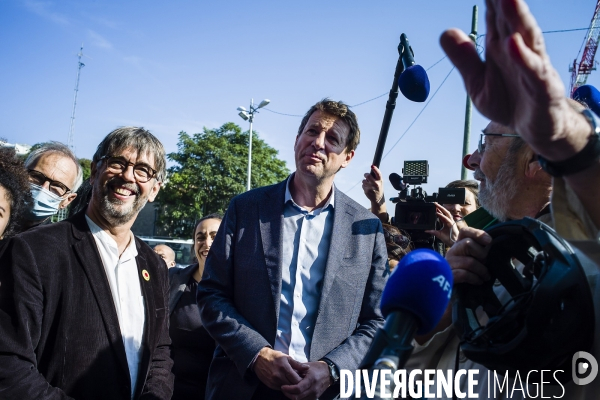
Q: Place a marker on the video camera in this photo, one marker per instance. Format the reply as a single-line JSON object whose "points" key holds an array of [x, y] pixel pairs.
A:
{"points": [[415, 211]]}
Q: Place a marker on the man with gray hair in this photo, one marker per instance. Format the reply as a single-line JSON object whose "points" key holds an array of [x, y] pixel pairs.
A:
{"points": [[54, 176], [83, 305]]}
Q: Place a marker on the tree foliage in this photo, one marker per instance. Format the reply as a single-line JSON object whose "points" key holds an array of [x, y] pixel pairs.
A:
{"points": [[211, 168], [86, 167]]}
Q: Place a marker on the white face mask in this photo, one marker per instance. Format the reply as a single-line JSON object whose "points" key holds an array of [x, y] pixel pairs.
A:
{"points": [[45, 203]]}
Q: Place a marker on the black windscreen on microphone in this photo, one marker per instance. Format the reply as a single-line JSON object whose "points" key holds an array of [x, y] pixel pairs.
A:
{"points": [[396, 181]]}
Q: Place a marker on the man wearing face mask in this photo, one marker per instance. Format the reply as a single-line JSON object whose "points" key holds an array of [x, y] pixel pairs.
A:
{"points": [[54, 176]]}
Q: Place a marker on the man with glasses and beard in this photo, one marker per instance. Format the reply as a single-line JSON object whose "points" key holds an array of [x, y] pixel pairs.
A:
{"points": [[83, 301], [516, 86], [513, 185]]}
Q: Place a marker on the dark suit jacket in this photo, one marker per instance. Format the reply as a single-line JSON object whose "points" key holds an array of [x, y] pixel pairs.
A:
{"points": [[59, 330], [240, 290], [178, 279]]}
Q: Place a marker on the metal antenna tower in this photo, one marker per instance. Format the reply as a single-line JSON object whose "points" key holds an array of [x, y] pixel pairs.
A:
{"points": [[80, 65]]}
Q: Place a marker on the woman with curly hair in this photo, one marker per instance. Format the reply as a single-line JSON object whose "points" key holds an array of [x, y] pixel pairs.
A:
{"points": [[14, 192]]}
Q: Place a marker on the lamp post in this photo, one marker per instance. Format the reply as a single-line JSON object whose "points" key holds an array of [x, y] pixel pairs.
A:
{"points": [[248, 115]]}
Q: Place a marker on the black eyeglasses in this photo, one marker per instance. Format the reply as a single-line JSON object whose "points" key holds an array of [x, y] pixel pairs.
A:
{"points": [[398, 239], [56, 187], [481, 145], [117, 165]]}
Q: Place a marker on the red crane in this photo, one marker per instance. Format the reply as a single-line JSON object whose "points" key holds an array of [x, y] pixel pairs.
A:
{"points": [[580, 72]]}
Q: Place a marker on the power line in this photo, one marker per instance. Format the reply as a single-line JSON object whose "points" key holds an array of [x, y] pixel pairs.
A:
{"points": [[287, 115], [567, 30], [381, 95], [434, 64], [412, 123], [364, 102], [555, 31], [419, 114], [480, 49]]}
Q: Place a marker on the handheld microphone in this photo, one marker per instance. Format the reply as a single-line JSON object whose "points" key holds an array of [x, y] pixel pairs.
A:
{"points": [[413, 82], [590, 96], [413, 302]]}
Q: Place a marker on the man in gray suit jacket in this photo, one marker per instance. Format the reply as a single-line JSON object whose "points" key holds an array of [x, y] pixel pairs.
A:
{"points": [[292, 284]]}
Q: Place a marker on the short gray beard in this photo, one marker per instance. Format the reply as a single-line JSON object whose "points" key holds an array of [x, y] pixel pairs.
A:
{"points": [[112, 214], [496, 197]]}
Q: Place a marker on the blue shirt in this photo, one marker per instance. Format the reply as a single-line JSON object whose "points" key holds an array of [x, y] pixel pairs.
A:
{"points": [[306, 239]]}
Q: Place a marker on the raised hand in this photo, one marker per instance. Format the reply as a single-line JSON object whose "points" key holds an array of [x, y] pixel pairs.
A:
{"points": [[517, 85]]}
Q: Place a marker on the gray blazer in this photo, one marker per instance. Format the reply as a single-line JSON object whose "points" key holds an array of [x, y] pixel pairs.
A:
{"points": [[240, 290]]}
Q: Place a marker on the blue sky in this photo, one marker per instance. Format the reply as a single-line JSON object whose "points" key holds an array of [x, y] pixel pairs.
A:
{"points": [[182, 65]]}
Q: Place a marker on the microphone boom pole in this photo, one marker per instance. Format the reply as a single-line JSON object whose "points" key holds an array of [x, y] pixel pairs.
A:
{"points": [[391, 103]]}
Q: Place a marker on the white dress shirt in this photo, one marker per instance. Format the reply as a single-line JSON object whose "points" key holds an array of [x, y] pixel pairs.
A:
{"points": [[122, 274]]}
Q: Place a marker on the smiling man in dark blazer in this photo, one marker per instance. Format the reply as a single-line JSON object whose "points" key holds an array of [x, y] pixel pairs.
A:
{"points": [[292, 284], [83, 302]]}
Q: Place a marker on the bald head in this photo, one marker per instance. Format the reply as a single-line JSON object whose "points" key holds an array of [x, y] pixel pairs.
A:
{"points": [[166, 253]]}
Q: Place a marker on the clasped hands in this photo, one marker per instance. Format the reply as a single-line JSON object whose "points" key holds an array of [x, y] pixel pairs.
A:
{"points": [[296, 380]]}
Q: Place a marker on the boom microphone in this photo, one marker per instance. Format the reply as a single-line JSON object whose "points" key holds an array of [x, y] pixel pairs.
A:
{"points": [[413, 302], [413, 82]]}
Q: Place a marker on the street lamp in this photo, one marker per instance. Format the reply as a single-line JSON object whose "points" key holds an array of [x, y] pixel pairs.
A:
{"points": [[248, 115]]}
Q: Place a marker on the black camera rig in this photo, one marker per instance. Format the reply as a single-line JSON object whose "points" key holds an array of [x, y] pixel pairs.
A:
{"points": [[415, 211]]}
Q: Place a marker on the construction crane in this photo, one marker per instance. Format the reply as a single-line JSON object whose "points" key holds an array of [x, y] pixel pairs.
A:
{"points": [[580, 72], [72, 127]]}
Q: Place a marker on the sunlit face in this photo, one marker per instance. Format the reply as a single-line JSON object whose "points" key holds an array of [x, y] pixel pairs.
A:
{"points": [[497, 171], [459, 211], [495, 150], [320, 150], [4, 210], [204, 236], [119, 196]]}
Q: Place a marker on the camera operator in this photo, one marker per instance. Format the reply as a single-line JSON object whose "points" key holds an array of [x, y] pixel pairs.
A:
{"points": [[451, 214], [447, 214]]}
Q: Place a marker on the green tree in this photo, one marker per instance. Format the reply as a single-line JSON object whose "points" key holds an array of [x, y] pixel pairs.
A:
{"points": [[85, 166], [211, 169]]}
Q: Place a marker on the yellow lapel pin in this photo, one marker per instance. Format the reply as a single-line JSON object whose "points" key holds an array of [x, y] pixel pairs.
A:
{"points": [[146, 275]]}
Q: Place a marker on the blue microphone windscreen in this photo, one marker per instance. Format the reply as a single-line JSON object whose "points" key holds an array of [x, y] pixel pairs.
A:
{"points": [[420, 284], [590, 96], [414, 83]]}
